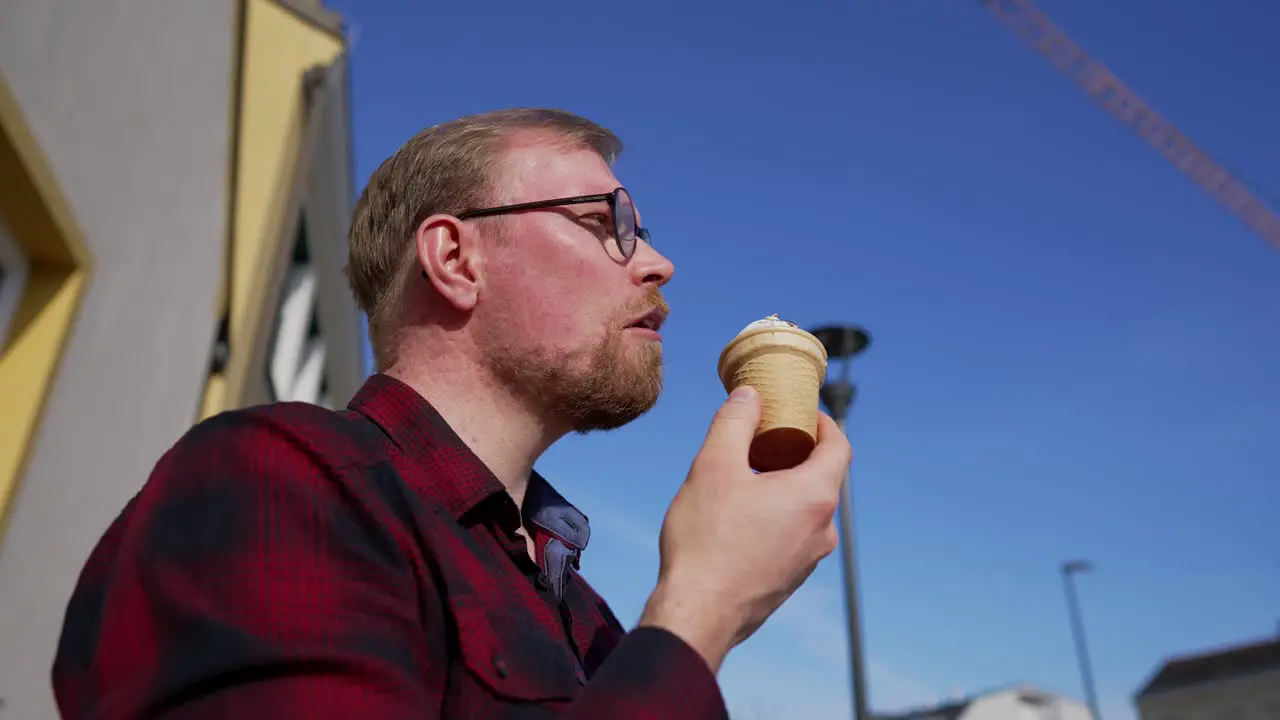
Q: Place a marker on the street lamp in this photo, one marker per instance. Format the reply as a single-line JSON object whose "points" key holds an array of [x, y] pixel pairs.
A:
{"points": [[1069, 571], [843, 342]]}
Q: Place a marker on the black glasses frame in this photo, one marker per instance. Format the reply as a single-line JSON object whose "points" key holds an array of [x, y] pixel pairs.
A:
{"points": [[626, 245]]}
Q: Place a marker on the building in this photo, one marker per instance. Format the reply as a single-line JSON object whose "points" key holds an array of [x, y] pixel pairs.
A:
{"points": [[175, 182], [1022, 702], [1234, 683]]}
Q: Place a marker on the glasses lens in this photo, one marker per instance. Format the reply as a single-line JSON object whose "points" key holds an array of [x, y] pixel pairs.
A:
{"points": [[624, 222]]}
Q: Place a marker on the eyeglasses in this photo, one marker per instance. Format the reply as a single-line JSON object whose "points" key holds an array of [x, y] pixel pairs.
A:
{"points": [[626, 227]]}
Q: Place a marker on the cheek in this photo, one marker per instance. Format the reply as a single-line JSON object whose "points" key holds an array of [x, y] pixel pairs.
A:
{"points": [[554, 309], [557, 290]]}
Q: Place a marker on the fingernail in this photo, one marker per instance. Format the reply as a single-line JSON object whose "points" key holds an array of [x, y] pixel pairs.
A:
{"points": [[741, 393]]}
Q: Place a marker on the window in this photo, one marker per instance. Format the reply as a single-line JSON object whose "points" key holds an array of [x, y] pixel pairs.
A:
{"points": [[1038, 706], [13, 279], [296, 360], [44, 264]]}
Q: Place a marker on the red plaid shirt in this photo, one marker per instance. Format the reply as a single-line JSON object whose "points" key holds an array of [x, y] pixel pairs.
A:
{"points": [[287, 561]]}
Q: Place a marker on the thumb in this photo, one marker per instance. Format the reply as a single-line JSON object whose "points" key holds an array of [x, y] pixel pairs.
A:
{"points": [[734, 425]]}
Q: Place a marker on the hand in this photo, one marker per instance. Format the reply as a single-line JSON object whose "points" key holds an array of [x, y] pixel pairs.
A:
{"points": [[735, 545]]}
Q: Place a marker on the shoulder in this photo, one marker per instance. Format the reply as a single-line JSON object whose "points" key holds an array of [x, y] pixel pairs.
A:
{"points": [[294, 453], [271, 479], [267, 434], [262, 461]]}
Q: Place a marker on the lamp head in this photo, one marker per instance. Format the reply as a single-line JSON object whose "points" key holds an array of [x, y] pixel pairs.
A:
{"points": [[842, 341]]}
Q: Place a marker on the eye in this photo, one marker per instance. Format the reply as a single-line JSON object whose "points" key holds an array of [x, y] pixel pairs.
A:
{"points": [[599, 218]]}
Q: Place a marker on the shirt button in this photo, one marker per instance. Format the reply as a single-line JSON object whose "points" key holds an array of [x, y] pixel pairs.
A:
{"points": [[500, 667]]}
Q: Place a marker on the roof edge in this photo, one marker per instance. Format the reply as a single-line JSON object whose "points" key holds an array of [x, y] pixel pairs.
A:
{"points": [[315, 13], [1204, 655]]}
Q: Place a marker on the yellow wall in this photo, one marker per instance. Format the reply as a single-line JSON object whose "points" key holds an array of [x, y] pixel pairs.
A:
{"points": [[41, 221], [279, 47]]}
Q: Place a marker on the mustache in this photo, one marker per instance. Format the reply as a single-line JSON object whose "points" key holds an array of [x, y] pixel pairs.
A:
{"points": [[652, 300]]}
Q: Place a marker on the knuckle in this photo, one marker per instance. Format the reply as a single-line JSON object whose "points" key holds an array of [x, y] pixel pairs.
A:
{"points": [[845, 453], [830, 539], [823, 506], [829, 506]]}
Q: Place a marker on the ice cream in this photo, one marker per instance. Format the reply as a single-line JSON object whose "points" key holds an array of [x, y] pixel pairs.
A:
{"points": [[786, 366]]}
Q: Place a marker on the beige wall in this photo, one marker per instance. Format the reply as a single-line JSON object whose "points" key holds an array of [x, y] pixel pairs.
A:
{"points": [[1254, 697], [128, 101], [169, 139]]}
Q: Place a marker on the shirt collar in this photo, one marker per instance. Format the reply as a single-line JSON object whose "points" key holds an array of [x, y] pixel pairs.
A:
{"points": [[463, 482], [547, 510]]}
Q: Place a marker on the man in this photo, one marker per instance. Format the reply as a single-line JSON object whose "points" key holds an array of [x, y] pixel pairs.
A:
{"points": [[401, 558]]}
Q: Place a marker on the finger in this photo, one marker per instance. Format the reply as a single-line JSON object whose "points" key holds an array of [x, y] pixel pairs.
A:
{"points": [[832, 455], [734, 426]]}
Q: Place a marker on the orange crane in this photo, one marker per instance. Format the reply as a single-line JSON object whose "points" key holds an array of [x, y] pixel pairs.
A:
{"points": [[1122, 102]]}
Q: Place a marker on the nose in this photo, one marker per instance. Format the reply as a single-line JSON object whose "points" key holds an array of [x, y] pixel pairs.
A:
{"points": [[648, 266]]}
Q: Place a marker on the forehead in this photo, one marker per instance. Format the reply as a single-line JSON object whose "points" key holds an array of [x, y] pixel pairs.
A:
{"points": [[544, 168]]}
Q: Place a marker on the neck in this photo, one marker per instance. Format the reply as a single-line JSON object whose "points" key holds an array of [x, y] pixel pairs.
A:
{"points": [[500, 429]]}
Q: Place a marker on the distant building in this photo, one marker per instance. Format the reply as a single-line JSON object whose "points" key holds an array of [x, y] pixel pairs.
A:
{"points": [[175, 186], [1235, 683], [1023, 702]]}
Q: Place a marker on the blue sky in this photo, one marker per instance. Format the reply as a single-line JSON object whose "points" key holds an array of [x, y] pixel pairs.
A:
{"points": [[1074, 347]]}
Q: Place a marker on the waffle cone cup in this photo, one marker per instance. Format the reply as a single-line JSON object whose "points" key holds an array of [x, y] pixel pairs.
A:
{"points": [[786, 366]]}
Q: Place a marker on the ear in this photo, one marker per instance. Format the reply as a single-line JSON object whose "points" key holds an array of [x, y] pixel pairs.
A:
{"points": [[448, 258]]}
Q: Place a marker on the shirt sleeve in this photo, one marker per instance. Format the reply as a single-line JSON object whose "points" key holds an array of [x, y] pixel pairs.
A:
{"points": [[651, 675], [251, 583]]}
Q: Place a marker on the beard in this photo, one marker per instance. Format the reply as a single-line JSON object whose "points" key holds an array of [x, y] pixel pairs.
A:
{"points": [[597, 388]]}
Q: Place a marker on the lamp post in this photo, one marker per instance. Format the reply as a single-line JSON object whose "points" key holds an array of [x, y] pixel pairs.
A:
{"points": [[843, 342], [1069, 571]]}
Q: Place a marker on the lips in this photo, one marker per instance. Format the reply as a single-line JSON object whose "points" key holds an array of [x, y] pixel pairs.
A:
{"points": [[651, 320]]}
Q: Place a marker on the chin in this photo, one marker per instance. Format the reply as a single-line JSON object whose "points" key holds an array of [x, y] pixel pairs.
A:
{"points": [[612, 410], [603, 422], [599, 390]]}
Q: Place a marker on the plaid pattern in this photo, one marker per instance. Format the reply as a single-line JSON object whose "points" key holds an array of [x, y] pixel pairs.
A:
{"points": [[291, 562]]}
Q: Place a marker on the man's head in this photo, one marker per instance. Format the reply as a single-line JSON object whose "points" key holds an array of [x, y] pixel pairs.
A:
{"points": [[540, 300]]}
